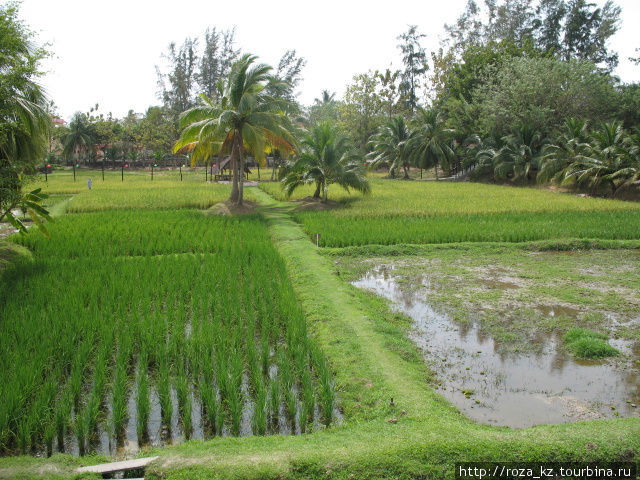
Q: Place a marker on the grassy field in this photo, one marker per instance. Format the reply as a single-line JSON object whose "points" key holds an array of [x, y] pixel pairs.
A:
{"points": [[443, 212], [127, 233], [368, 355], [137, 191]]}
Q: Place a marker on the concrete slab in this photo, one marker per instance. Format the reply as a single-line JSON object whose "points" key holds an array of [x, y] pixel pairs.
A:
{"points": [[117, 466]]}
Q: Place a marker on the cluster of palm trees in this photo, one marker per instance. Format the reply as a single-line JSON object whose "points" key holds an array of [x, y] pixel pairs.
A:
{"points": [[427, 144], [603, 160], [248, 120]]}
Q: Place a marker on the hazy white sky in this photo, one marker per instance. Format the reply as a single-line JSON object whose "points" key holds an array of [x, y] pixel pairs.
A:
{"points": [[106, 51]]}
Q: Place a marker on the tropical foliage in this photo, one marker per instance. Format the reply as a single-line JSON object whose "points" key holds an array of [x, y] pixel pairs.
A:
{"points": [[24, 121], [325, 159], [430, 144], [78, 138], [608, 159], [247, 119], [390, 147]]}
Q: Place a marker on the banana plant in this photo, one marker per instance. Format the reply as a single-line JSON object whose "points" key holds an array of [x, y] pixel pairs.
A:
{"points": [[31, 204]]}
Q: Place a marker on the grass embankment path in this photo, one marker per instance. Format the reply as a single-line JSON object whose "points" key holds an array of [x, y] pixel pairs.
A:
{"points": [[373, 361], [318, 283]]}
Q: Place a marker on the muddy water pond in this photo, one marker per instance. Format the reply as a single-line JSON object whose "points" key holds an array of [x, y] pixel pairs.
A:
{"points": [[516, 390]]}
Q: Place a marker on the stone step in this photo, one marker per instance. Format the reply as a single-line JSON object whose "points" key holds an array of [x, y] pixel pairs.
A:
{"points": [[117, 466]]}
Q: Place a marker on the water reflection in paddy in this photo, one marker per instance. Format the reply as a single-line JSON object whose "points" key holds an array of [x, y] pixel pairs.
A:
{"points": [[518, 390]]}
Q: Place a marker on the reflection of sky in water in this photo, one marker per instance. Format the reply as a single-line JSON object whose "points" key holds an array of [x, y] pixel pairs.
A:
{"points": [[514, 390]]}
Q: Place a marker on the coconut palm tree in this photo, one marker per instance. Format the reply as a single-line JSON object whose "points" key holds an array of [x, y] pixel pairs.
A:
{"points": [[520, 155], [571, 145], [430, 143], [79, 137], [326, 98], [325, 159], [629, 176], [478, 153], [607, 161], [24, 125], [389, 146], [247, 119]]}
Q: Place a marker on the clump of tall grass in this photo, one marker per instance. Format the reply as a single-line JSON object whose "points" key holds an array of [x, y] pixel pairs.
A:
{"points": [[308, 400], [210, 405], [585, 343], [327, 393], [121, 387], [234, 394], [286, 385], [260, 411], [184, 402], [274, 400], [99, 379], [62, 413]]}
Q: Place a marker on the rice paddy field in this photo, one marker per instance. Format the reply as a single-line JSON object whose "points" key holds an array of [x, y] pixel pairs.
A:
{"points": [[136, 191], [119, 310], [443, 212], [232, 347]]}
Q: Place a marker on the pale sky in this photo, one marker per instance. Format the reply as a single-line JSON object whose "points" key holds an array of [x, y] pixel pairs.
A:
{"points": [[106, 51]]}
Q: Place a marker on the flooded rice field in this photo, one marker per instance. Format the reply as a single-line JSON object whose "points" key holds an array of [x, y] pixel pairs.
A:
{"points": [[514, 389], [159, 433]]}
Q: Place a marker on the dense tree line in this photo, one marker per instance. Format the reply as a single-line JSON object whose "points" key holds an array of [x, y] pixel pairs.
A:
{"points": [[92, 138], [497, 99]]}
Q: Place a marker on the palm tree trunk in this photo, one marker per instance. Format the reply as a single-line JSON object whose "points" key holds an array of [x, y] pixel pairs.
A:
{"points": [[241, 171], [316, 194], [234, 164]]}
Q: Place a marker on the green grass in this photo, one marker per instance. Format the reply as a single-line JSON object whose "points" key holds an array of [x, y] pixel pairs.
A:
{"points": [[61, 181], [11, 253], [153, 232], [412, 198], [145, 197], [136, 192], [507, 227], [400, 212], [585, 343]]}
